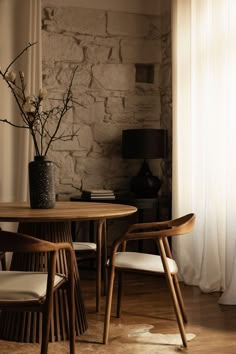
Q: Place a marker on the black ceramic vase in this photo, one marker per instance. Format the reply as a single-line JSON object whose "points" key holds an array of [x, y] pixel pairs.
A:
{"points": [[42, 183]]}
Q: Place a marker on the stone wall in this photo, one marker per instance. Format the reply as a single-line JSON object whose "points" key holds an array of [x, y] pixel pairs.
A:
{"points": [[106, 46]]}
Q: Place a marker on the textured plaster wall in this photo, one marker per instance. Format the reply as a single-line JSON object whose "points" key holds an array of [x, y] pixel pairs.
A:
{"points": [[105, 45]]}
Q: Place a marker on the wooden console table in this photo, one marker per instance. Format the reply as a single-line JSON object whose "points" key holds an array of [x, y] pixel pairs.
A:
{"points": [[53, 225]]}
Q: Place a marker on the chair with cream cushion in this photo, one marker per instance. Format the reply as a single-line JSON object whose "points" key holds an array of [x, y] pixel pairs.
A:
{"points": [[88, 250], [149, 263], [84, 248], [33, 291]]}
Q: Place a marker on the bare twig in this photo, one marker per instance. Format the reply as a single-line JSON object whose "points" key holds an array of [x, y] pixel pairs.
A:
{"points": [[18, 56], [31, 111], [14, 125]]}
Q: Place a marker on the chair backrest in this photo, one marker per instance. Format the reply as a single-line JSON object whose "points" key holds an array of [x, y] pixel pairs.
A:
{"points": [[20, 243], [183, 225], [16, 242], [157, 230]]}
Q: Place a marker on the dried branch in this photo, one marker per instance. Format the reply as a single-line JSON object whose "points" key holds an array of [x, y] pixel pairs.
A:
{"points": [[31, 111]]}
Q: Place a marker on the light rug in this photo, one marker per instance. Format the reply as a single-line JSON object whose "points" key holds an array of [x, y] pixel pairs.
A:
{"points": [[125, 339]]}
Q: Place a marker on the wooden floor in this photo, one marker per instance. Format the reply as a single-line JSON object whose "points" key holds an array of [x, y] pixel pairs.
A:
{"points": [[147, 301]]}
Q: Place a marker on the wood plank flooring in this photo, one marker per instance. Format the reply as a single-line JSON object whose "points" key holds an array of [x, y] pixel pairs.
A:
{"points": [[147, 302]]}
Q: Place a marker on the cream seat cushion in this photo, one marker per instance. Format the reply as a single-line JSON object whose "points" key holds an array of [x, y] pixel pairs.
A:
{"points": [[143, 261], [84, 246], [24, 286]]}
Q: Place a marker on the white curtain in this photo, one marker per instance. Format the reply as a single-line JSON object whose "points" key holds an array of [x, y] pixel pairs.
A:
{"points": [[204, 142], [20, 23]]}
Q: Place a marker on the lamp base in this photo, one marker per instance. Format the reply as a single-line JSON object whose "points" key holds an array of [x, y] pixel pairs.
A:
{"points": [[145, 185]]}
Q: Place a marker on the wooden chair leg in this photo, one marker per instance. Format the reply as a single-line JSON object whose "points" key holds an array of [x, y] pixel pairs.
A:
{"points": [[119, 293], [108, 305], [174, 298], [104, 267], [177, 310], [101, 261], [45, 332], [3, 261], [47, 313], [176, 282], [180, 298], [71, 306], [99, 264]]}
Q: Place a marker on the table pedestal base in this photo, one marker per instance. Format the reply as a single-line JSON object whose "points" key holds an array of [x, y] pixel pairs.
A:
{"points": [[26, 326]]}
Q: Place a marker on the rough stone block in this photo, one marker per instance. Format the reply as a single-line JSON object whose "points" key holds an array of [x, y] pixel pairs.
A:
{"points": [[80, 20], [142, 102], [113, 44], [83, 99], [151, 117], [82, 77], [127, 24], [85, 137], [68, 49], [115, 76], [114, 105], [97, 54], [123, 118], [67, 143], [64, 163], [65, 190], [141, 51], [66, 180], [90, 115], [113, 131]]}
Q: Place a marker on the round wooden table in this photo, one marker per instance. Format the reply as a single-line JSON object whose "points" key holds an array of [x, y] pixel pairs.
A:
{"points": [[53, 225]]}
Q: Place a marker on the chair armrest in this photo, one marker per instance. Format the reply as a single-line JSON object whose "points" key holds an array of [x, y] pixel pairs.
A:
{"points": [[64, 245]]}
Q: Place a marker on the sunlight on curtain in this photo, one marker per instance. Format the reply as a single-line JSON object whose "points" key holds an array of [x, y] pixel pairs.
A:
{"points": [[20, 23], [204, 125]]}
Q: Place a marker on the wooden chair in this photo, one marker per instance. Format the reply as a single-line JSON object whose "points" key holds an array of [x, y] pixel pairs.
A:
{"points": [[33, 291], [148, 263], [88, 250]]}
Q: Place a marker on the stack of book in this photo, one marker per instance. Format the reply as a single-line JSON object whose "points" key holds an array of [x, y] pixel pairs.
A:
{"points": [[98, 194]]}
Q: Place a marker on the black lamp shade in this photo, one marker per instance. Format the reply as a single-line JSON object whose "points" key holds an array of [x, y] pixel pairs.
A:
{"points": [[144, 143]]}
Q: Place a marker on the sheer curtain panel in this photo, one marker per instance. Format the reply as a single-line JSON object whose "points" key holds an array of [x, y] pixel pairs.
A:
{"points": [[204, 124], [20, 23]]}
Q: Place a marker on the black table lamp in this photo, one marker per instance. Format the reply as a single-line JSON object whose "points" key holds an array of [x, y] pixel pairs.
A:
{"points": [[144, 144]]}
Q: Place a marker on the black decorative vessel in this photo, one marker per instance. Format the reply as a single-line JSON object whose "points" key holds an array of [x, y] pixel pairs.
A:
{"points": [[42, 183]]}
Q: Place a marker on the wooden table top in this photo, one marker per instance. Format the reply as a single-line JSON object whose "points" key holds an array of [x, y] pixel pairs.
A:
{"points": [[64, 211]]}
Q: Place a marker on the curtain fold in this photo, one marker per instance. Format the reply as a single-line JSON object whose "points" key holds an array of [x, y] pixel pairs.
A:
{"points": [[20, 23], [204, 170]]}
